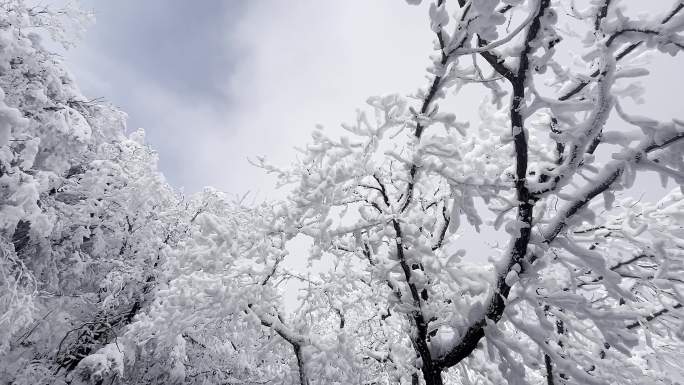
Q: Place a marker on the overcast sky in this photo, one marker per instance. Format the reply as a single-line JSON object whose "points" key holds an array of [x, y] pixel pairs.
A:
{"points": [[215, 82]]}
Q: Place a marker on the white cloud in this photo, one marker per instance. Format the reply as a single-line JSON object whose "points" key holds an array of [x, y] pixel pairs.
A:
{"points": [[309, 63], [293, 65]]}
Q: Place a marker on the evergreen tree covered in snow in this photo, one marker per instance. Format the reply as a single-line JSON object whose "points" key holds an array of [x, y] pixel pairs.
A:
{"points": [[84, 213]]}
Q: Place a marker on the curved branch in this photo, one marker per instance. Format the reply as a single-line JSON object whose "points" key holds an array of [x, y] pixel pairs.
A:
{"points": [[654, 316], [496, 307], [582, 84], [427, 101], [609, 175]]}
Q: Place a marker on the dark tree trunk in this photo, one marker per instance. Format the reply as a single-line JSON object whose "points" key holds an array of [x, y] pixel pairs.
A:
{"points": [[21, 236], [549, 370], [303, 380], [432, 375]]}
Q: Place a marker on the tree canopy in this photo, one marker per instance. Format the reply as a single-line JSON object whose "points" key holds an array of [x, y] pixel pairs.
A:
{"points": [[110, 276]]}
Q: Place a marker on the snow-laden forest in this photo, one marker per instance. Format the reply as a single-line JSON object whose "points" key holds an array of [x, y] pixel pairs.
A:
{"points": [[109, 275]]}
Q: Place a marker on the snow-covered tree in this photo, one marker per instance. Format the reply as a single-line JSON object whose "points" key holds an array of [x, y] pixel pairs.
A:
{"points": [[588, 287], [84, 213], [109, 277]]}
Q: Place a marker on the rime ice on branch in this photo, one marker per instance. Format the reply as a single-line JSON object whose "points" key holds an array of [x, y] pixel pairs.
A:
{"points": [[587, 290], [165, 290]]}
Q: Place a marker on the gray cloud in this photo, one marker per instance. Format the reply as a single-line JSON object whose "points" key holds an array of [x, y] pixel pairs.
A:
{"points": [[177, 44], [215, 83], [167, 64]]}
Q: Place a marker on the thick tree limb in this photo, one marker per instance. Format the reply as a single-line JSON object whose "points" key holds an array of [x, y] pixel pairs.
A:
{"points": [[496, 307]]}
